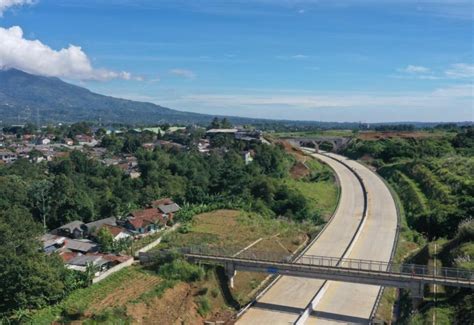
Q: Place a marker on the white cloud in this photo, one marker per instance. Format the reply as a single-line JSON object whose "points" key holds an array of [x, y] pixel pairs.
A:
{"points": [[442, 97], [6, 4], [415, 69], [37, 58], [299, 56], [293, 57], [460, 70], [452, 103], [188, 74]]}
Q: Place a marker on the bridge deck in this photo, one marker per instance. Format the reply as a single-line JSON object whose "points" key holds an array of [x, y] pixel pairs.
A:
{"points": [[332, 268]]}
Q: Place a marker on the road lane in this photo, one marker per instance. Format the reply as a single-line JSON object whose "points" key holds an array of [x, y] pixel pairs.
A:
{"points": [[289, 296], [350, 302]]}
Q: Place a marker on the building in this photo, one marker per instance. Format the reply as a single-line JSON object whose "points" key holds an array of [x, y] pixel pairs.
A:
{"points": [[118, 233], [248, 156], [81, 262], [86, 140], [145, 221], [52, 243], [75, 229], [221, 131], [93, 227], [43, 141], [82, 246], [8, 157]]}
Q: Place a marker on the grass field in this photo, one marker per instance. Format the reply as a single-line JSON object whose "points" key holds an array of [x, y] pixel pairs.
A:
{"points": [[322, 196], [234, 230], [115, 291]]}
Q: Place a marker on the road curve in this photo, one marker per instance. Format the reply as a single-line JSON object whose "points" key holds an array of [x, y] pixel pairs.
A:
{"points": [[288, 298], [350, 302]]}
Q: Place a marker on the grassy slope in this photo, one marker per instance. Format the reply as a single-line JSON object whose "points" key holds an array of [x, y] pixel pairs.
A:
{"points": [[141, 295], [233, 230], [435, 179], [135, 293]]}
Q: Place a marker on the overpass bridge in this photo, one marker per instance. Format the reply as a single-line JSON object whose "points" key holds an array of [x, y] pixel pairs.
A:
{"points": [[408, 276]]}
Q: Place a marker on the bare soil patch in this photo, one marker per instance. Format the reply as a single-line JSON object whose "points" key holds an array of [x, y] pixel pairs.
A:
{"points": [[374, 135], [299, 170], [176, 306], [125, 292]]}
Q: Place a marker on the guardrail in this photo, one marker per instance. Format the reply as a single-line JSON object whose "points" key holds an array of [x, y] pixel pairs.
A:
{"points": [[357, 267]]}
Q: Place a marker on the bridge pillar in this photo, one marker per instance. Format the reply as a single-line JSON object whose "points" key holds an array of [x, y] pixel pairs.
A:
{"points": [[417, 294], [230, 272]]}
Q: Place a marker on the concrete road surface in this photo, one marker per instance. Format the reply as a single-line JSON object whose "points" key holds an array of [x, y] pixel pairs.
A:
{"points": [[349, 302], [289, 296]]}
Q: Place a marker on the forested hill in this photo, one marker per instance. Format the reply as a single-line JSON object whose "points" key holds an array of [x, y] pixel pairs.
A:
{"points": [[21, 94]]}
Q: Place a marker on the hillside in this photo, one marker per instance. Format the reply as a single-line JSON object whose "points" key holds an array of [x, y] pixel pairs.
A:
{"points": [[432, 174], [21, 94]]}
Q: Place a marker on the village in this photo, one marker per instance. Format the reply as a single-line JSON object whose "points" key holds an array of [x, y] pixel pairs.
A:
{"points": [[82, 246], [21, 142], [102, 247]]}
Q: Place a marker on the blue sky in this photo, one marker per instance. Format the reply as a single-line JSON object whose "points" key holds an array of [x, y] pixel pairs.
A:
{"points": [[330, 60]]}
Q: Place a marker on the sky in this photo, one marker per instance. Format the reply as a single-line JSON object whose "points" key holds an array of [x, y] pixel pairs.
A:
{"points": [[322, 60]]}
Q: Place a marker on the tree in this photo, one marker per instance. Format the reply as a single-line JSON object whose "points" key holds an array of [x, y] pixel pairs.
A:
{"points": [[39, 194], [215, 124], [28, 277], [105, 240]]}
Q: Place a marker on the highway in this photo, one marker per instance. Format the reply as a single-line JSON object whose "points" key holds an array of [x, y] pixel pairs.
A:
{"points": [[336, 302]]}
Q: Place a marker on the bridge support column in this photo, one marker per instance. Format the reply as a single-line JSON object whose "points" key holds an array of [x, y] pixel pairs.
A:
{"points": [[417, 294], [230, 272]]}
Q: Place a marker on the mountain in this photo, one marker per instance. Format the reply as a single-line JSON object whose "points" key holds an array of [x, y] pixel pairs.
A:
{"points": [[22, 95]]}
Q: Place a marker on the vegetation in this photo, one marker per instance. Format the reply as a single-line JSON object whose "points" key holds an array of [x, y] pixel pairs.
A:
{"points": [[432, 174], [41, 196]]}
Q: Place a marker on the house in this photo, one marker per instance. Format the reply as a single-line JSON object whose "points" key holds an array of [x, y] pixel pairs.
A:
{"points": [[248, 156], [93, 227], [8, 157], [169, 145], [166, 206], [68, 141], [204, 145], [81, 262], [102, 262], [74, 229], [51, 243], [145, 221], [134, 174], [249, 135], [221, 131], [43, 141], [86, 140], [82, 246], [117, 232]]}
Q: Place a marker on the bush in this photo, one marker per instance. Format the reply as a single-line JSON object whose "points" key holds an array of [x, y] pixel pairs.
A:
{"points": [[466, 230], [214, 293], [204, 306], [73, 311], [181, 270]]}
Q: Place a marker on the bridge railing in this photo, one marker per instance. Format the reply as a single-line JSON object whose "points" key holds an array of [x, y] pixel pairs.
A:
{"points": [[325, 261]]}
